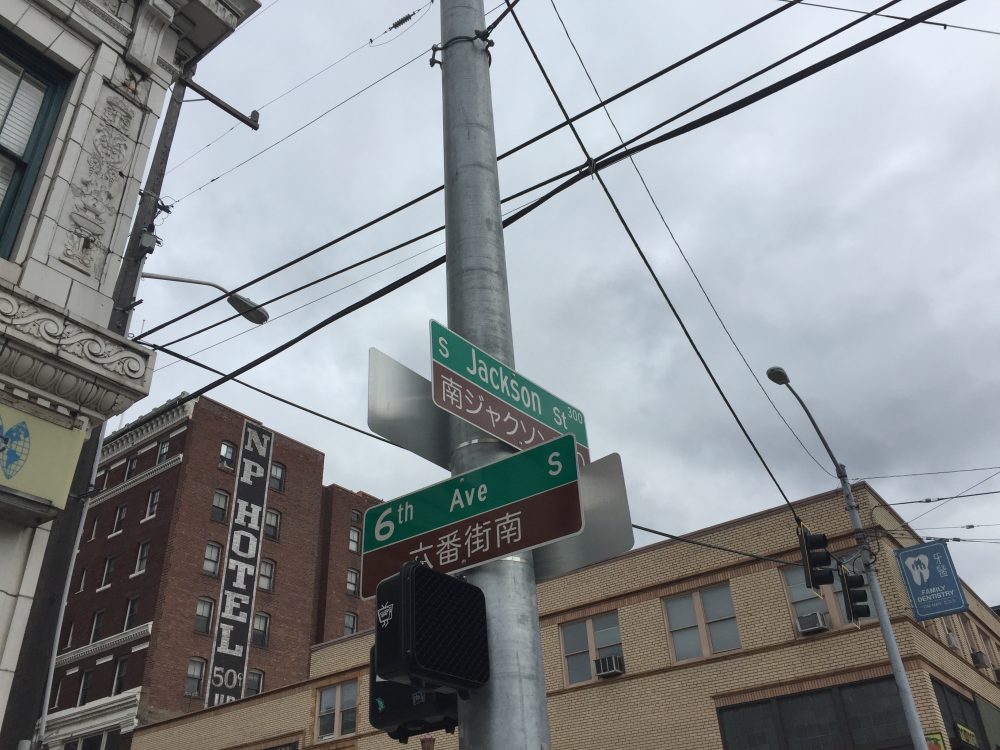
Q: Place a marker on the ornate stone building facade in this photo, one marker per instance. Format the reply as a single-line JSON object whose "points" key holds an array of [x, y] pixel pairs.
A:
{"points": [[82, 84]]}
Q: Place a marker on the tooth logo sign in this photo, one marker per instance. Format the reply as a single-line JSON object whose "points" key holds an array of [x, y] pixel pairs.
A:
{"points": [[919, 569]]}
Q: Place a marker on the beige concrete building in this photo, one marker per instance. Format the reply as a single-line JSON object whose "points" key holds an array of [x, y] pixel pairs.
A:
{"points": [[717, 650]]}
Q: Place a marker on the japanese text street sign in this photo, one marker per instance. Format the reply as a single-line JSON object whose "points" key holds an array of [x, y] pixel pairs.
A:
{"points": [[481, 390], [239, 574], [522, 501], [931, 581]]}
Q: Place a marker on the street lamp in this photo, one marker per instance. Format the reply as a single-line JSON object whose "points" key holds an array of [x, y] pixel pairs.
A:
{"points": [[779, 376], [243, 305]]}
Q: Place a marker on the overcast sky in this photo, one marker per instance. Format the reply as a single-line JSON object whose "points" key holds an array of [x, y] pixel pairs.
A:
{"points": [[845, 228]]}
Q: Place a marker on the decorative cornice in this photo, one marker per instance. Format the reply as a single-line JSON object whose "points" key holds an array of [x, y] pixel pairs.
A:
{"points": [[125, 439], [119, 711], [111, 20], [133, 481], [58, 359], [105, 644]]}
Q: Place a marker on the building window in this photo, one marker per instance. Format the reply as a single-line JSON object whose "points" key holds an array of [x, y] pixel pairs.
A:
{"points": [[83, 579], [805, 602], [69, 635], [213, 553], [265, 578], [354, 540], [220, 502], [55, 694], [957, 709], [109, 571], [587, 640], [195, 674], [272, 524], [119, 519], [227, 455], [863, 716], [254, 684], [31, 91], [355, 516], [203, 616], [97, 625], [258, 635], [702, 622], [350, 623], [130, 466], [353, 579], [119, 683], [162, 450], [337, 710], [277, 481], [142, 557], [152, 503], [93, 529], [84, 687], [131, 612]]}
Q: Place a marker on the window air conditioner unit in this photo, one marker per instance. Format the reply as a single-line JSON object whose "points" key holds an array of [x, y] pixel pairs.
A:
{"points": [[979, 660], [952, 640], [609, 666], [814, 622]]}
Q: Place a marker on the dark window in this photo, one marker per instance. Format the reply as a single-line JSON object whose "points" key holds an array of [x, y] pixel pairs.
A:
{"points": [[874, 713], [119, 519], [97, 626], [261, 623], [69, 634], [265, 579], [350, 623], [152, 502], [84, 687], [119, 683], [220, 502], [161, 451], [195, 674], [353, 579], [31, 91], [810, 721], [142, 557], [254, 684], [337, 710], [272, 524], [55, 694], [109, 571], [203, 615], [130, 466], [277, 481], [213, 553], [131, 612], [354, 540], [957, 709], [227, 455], [355, 516]]}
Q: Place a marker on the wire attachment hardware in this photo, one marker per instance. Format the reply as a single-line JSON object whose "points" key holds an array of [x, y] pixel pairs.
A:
{"points": [[478, 34]]}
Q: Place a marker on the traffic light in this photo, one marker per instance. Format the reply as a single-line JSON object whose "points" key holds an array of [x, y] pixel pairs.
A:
{"points": [[855, 596], [815, 558], [431, 630], [405, 711]]}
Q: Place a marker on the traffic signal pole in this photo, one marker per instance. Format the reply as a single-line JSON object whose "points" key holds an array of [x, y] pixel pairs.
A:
{"points": [[510, 713]]}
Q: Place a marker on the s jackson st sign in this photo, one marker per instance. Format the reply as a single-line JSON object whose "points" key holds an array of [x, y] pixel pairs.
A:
{"points": [[239, 575]]}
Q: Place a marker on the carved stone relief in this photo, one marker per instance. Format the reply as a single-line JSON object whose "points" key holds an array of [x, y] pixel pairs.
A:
{"points": [[98, 190]]}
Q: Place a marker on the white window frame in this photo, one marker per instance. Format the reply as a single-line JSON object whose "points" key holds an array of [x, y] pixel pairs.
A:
{"points": [[350, 623], [97, 625], [266, 563], [199, 691], [354, 539], [152, 503], [217, 561], [131, 609], [141, 561], [353, 581], [337, 710], [209, 618], [266, 619], [119, 674], [162, 449]]}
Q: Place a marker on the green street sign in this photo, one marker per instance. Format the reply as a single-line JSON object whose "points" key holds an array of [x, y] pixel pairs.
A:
{"points": [[481, 390], [522, 501]]}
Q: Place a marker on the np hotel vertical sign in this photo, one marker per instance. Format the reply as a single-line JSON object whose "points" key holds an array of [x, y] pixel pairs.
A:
{"points": [[239, 575]]}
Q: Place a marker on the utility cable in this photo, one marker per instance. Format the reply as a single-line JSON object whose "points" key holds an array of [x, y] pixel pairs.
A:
{"points": [[504, 155], [902, 18], [925, 473], [414, 15], [680, 250], [649, 267], [948, 497], [964, 526], [960, 494], [688, 540]]}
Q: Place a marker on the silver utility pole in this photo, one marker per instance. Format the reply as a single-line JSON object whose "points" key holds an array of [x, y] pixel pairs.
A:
{"points": [[779, 376], [510, 713]]}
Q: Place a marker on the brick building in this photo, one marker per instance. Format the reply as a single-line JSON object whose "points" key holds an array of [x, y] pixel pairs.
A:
{"points": [[146, 591], [710, 650]]}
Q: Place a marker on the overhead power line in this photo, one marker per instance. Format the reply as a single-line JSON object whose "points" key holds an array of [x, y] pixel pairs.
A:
{"points": [[649, 267], [677, 244], [925, 473], [940, 24], [947, 497], [688, 540], [955, 497]]}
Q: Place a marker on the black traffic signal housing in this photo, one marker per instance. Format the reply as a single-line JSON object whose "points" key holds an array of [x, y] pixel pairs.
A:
{"points": [[855, 597], [815, 558], [404, 711], [431, 631]]}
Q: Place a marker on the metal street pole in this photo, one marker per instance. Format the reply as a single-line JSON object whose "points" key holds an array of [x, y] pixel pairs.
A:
{"points": [[510, 713], [779, 376]]}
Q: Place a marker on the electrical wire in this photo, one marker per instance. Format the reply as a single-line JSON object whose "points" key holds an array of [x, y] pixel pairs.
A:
{"points": [[719, 547], [955, 497], [732, 35], [902, 18], [680, 250], [414, 15], [948, 497], [925, 474], [964, 526]]}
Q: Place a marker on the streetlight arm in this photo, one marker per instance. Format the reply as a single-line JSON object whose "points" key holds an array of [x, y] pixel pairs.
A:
{"points": [[164, 277], [841, 470]]}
